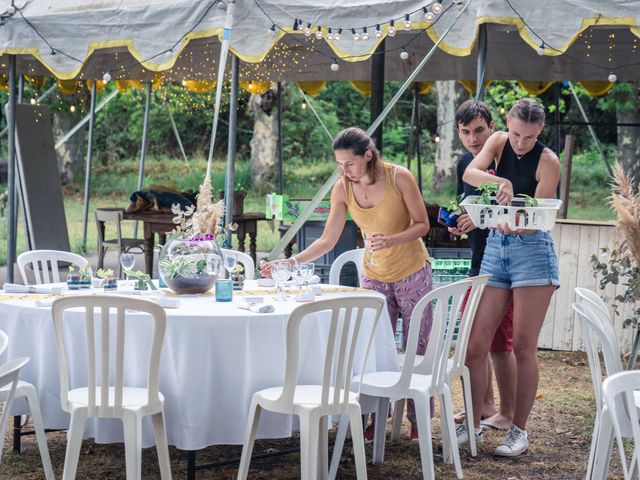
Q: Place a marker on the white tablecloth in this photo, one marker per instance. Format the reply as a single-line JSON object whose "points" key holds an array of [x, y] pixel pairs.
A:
{"points": [[215, 356]]}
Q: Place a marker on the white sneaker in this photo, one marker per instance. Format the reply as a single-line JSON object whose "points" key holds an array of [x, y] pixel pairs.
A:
{"points": [[515, 443], [463, 434]]}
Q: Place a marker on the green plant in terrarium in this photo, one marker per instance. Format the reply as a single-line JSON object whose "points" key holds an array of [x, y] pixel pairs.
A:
{"points": [[84, 272], [179, 266], [487, 190], [237, 269]]}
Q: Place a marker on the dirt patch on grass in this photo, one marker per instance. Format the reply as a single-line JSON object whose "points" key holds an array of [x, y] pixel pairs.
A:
{"points": [[559, 429]]}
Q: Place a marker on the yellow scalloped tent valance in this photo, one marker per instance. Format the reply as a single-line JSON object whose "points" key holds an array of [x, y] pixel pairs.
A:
{"points": [[596, 88], [255, 87], [470, 85], [124, 85], [311, 88], [199, 86], [535, 88], [68, 87], [424, 87], [4, 82], [363, 87], [99, 85]]}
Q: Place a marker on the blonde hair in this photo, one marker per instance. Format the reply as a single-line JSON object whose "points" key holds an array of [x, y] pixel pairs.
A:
{"points": [[528, 110]]}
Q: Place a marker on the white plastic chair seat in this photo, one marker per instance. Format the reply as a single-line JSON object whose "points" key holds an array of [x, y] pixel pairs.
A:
{"points": [[132, 398], [304, 395]]}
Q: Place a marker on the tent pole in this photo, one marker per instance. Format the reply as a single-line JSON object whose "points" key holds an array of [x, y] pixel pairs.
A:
{"points": [[416, 100], [87, 175], [20, 88], [79, 125], [591, 130], [482, 62], [231, 150], [557, 116], [280, 159], [324, 189], [143, 147], [18, 188], [11, 169], [177, 135], [377, 91]]}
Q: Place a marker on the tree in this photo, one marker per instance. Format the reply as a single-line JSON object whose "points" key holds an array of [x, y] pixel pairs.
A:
{"points": [[265, 135], [450, 94]]}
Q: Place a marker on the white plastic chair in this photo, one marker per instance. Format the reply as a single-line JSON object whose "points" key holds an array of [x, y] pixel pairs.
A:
{"points": [[620, 417], [12, 388], [354, 256], [420, 379], [456, 367], [312, 403], [594, 299], [45, 264], [599, 335], [246, 261], [105, 395]]}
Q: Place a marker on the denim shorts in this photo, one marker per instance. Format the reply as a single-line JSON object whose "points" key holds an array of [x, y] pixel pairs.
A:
{"points": [[520, 260]]}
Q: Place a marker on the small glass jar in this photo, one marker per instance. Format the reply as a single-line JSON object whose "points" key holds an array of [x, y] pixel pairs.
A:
{"points": [[74, 281], [224, 290], [111, 283]]}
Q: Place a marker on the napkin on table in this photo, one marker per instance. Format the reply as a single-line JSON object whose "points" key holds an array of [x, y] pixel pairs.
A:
{"points": [[17, 288], [257, 307]]}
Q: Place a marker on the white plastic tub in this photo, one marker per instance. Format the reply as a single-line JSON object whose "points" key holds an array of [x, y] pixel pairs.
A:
{"points": [[542, 217]]}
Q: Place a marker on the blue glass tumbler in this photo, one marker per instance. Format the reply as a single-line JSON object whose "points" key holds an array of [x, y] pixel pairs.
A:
{"points": [[224, 290]]}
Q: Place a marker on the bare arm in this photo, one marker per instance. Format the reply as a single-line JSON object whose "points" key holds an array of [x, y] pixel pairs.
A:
{"points": [[330, 234], [547, 174], [475, 173], [412, 198]]}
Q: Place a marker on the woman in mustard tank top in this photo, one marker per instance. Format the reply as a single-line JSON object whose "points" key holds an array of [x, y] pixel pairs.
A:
{"points": [[385, 202]]}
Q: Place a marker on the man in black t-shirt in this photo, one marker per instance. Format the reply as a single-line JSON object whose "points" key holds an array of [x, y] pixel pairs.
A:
{"points": [[475, 125]]}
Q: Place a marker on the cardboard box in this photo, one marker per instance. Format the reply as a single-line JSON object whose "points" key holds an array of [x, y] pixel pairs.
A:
{"points": [[280, 207]]}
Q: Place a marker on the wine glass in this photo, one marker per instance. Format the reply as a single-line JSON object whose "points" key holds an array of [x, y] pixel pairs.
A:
{"points": [[280, 272], [230, 262], [127, 261], [306, 272], [367, 244]]}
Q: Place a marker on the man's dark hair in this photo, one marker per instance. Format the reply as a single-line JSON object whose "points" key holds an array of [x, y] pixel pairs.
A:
{"points": [[470, 110]]}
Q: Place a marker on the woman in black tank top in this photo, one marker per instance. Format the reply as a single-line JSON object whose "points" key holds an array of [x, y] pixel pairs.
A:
{"points": [[522, 264]]}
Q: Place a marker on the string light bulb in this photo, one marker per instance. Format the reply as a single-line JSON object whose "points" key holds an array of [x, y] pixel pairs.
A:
{"points": [[436, 139], [319, 33], [365, 35], [329, 34], [307, 30], [407, 22], [106, 78], [613, 78], [436, 8], [338, 35], [334, 66], [502, 111], [304, 104], [300, 25], [404, 54], [356, 35], [540, 50], [378, 32], [33, 101], [429, 16], [72, 108], [392, 29]]}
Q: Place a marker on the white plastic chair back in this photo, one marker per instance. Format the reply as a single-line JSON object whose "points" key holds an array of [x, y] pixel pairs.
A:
{"points": [[447, 301], [347, 331], [356, 256], [4, 341], [45, 264], [594, 300], [468, 316], [105, 368], [619, 398], [246, 261], [9, 373], [598, 335]]}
